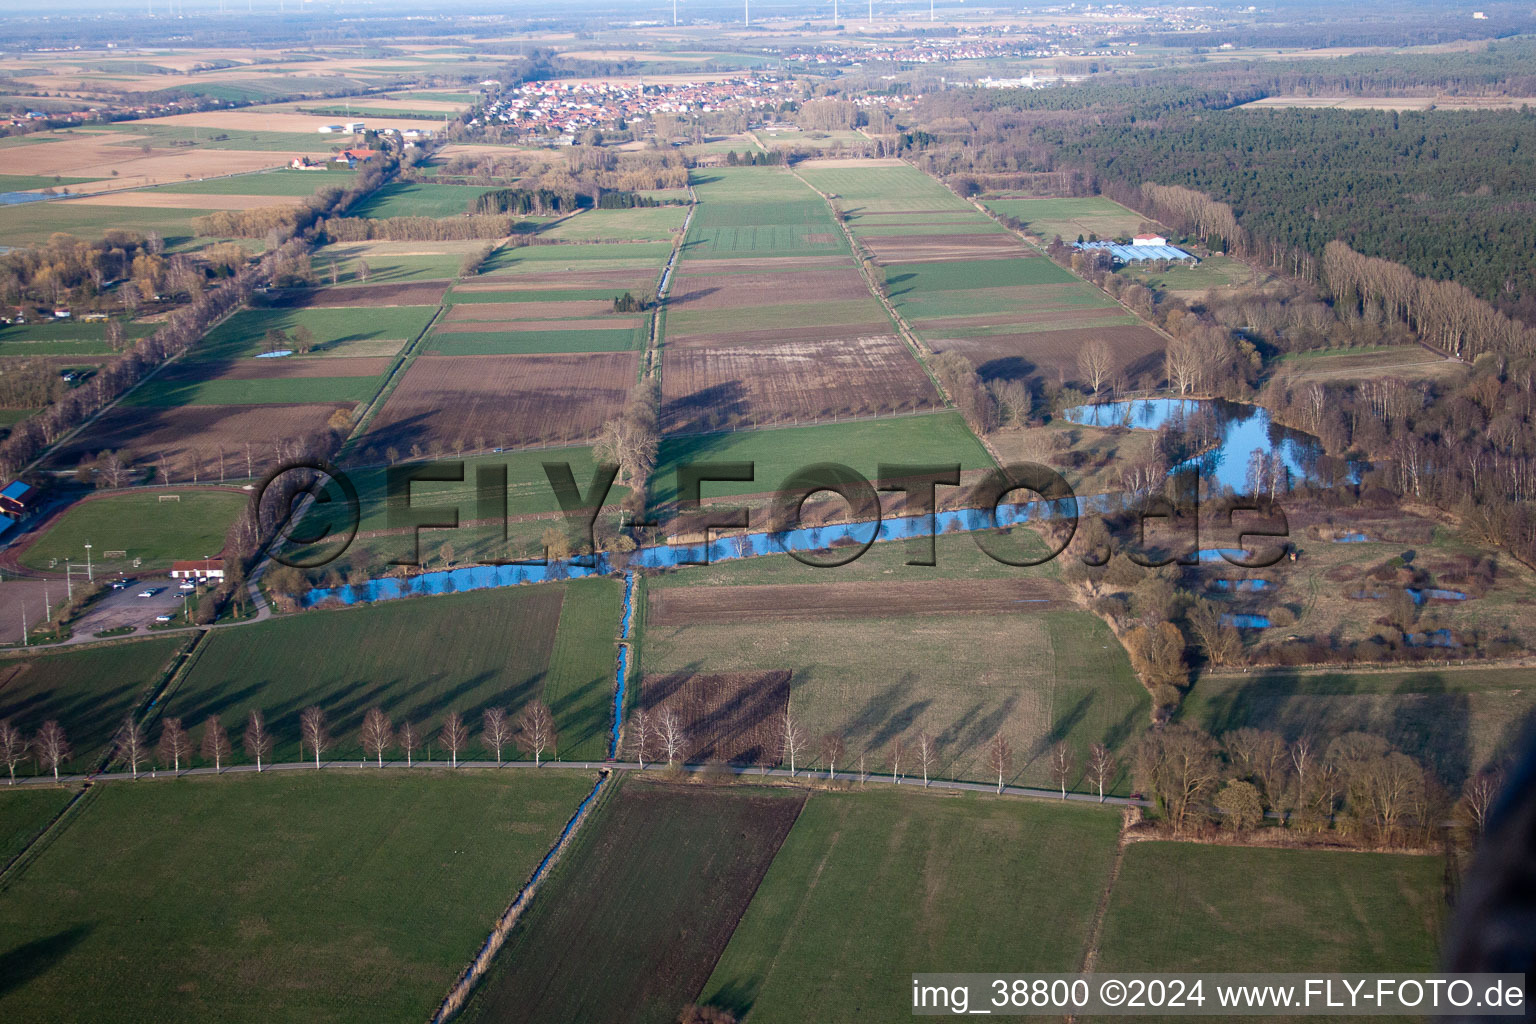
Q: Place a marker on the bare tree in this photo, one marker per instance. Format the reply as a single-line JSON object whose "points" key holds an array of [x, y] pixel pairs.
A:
{"points": [[496, 730], [455, 736], [258, 742], [643, 730], [1301, 761], [1101, 766], [409, 740], [1000, 758], [175, 744], [794, 740], [215, 742], [13, 747], [1061, 766], [52, 747], [1095, 362], [536, 729], [927, 753], [1478, 797], [670, 732], [312, 734], [128, 745], [378, 734], [894, 755], [832, 749]]}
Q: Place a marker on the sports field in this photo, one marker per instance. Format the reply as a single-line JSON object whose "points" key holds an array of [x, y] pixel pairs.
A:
{"points": [[418, 660], [1190, 907], [158, 526], [280, 897], [631, 920], [966, 876], [87, 692]]}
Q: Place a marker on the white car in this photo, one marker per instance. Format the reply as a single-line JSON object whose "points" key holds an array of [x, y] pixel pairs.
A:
{"points": [[164, 618], [187, 585], [148, 593]]}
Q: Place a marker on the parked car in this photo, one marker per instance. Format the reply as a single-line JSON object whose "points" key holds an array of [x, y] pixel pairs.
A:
{"points": [[187, 585], [164, 618], [121, 584], [151, 592]]}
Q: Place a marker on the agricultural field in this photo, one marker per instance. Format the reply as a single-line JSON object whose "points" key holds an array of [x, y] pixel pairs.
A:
{"points": [[494, 648], [340, 331], [281, 182], [531, 337], [133, 154], [24, 813], [318, 887], [862, 187], [641, 224], [1221, 273], [717, 386], [391, 262], [514, 261], [454, 402], [960, 662], [1409, 362], [934, 438], [64, 338], [1455, 720], [1193, 907], [87, 692], [649, 893], [31, 224], [813, 945], [411, 199], [155, 527], [759, 212], [1073, 220]]}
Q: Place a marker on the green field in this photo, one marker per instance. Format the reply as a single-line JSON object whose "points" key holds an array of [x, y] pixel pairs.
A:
{"points": [[1069, 218], [966, 877], [64, 338], [1037, 677], [88, 692], [160, 393], [410, 199], [949, 275], [335, 328], [139, 524], [634, 915], [1454, 720], [936, 438], [544, 259], [29, 182], [742, 227], [290, 897], [802, 314], [386, 265], [883, 189], [1211, 272], [32, 223], [418, 660], [213, 138], [281, 182], [642, 224], [24, 813], [727, 185], [509, 343], [1190, 907]]}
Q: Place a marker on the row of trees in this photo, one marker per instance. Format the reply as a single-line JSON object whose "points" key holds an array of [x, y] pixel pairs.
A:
{"points": [[418, 229], [532, 730]]}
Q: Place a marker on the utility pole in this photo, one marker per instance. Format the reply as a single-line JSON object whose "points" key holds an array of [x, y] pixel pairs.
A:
{"points": [[746, 12], [88, 575], [930, 10], [674, 13], [871, 12]]}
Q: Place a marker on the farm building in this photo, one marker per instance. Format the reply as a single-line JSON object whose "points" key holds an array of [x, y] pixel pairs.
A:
{"points": [[19, 500], [1149, 240], [202, 569], [1138, 252]]}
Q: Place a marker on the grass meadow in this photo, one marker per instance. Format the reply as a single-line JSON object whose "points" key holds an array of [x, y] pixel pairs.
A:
{"points": [[88, 692], [287, 897], [418, 660], [892, 189], [970, 883], [412, 199], [266, 391], [1194, 907], [335, 328], [24, 813], [1069, 218]]}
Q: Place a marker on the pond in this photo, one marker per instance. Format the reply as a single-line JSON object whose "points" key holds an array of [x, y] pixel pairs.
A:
{"points": [[1243, 430]]}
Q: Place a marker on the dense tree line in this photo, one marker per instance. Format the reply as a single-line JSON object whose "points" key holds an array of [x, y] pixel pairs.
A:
{"points": [[525, 201]]}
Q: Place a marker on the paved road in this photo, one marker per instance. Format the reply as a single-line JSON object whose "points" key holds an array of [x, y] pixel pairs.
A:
{"points": [[622, 766]]}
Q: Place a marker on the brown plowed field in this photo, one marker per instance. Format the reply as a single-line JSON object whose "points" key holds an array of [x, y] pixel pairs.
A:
{"points": [[776, 335], [710, 386], [289, 368], [749, 263], [693, 606], [447, 402], [731, 291], [529, 310], [729, 716], [410, 293], [1137, 350], [937, 326], [922, 248], [200, 432]]}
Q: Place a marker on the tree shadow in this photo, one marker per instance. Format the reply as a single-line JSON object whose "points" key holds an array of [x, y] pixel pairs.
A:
{"points": [[33, 959]]}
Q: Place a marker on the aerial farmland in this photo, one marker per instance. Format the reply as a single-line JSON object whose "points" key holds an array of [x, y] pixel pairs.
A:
{"points": [[752, 517]]}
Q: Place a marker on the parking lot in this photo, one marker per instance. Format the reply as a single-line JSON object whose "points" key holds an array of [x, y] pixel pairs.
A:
{"points": [[118, 608]]}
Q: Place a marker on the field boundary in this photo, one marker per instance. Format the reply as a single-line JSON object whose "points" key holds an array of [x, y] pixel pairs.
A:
{"points": [[45, 838]]}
